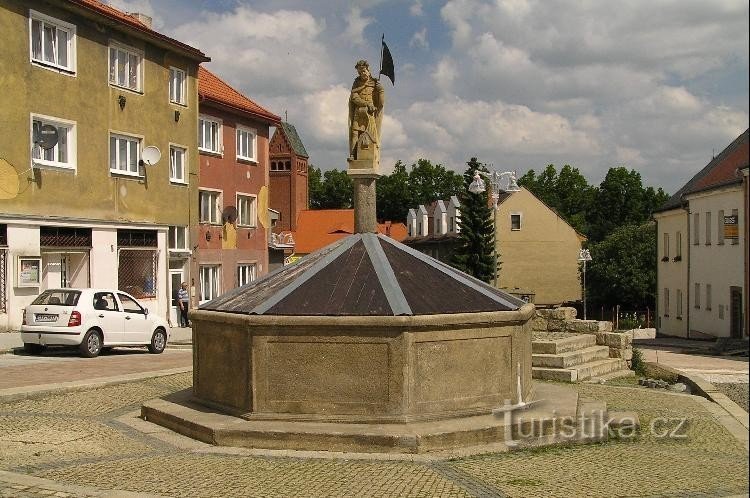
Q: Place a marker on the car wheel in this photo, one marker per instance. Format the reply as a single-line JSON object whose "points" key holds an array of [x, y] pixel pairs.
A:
{"points": [[32, 348], [158, 342], [91, 345]]}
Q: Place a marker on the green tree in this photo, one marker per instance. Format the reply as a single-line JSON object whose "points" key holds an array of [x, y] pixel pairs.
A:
{"points": [[429, 182], [393, 195], [622, 269], [620, 200], [329, 190], [474, 253]]}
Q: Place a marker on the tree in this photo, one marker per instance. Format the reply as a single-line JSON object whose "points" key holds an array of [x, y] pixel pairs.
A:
{"points": [[393, 195], [474, 253], [334, 192], [620, 200], [622, 268], [429, 182]]}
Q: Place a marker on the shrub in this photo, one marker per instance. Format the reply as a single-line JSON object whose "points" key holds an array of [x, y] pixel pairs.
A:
{"points": [[638, 363]]}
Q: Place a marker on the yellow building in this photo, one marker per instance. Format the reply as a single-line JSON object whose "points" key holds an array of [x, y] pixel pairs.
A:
{"points": [[86, 208], [538, 250]]}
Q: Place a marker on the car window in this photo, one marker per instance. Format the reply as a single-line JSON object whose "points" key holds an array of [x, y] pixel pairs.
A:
{"points": [[59, 297], [105, 301], [129, 305]]}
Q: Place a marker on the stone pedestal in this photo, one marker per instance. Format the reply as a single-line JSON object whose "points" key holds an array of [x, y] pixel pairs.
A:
{"points": [[365, 219]]}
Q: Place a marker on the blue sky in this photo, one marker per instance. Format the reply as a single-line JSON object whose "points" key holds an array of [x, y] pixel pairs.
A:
{"points": [[655, 85]]}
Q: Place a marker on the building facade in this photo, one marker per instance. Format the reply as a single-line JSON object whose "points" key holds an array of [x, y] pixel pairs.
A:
{"points": [[232, 233], [288, 176], [701, 254], [97, 141]]}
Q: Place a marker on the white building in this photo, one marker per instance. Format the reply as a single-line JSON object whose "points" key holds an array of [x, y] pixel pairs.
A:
{"points": [[701, 260]]}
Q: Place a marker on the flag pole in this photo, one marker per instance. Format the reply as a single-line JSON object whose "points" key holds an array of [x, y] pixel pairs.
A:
{"points": [[382, 41]]}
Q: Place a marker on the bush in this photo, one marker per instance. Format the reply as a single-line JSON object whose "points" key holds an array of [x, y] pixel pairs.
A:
{"points": [[638, 363]]}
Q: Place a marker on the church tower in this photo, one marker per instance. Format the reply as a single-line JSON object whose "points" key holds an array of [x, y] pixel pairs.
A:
{"points": [[288, 176]]}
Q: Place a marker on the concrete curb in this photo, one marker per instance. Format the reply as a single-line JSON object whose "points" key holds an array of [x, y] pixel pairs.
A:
{"points": [[709, 391], [25, 484], [17, 393]]}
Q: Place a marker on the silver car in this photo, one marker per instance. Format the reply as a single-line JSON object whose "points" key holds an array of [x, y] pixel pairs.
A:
{"points": [[91, 319]]}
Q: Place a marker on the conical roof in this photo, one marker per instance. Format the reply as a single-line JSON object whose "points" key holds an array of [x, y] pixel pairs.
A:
{"points": [[365, 275]]}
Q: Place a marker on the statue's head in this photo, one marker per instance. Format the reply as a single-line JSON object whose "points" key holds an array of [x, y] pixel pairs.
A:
{"points": [[363, 68]]}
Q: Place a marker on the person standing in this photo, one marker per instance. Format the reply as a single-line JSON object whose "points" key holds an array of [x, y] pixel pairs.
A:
{"points": [[183, 301]]}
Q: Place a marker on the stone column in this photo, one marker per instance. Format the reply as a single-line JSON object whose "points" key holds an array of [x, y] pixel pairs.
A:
{"points": [[365, 219]]}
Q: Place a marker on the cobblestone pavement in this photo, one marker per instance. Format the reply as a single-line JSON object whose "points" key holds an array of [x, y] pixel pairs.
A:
{"points": [[736, 392], [76, 439]]}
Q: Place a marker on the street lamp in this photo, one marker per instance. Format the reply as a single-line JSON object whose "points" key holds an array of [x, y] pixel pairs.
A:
{"points": [[478, 186], [584, 255]]}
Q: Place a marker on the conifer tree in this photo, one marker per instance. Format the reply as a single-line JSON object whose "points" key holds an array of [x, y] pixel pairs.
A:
{"points": [[474, 252]]}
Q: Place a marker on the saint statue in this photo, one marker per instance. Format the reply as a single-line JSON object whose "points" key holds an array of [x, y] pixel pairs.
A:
{"points": [[365, 112]]}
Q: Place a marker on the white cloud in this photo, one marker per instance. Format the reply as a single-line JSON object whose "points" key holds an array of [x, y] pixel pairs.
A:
{"points": [[419, 39], [416, 9], [260, 53], [355, 26]]}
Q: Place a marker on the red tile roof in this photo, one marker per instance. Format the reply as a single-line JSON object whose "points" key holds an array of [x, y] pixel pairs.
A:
{"points": [[316, 228], [213, 88], [116, 15]]}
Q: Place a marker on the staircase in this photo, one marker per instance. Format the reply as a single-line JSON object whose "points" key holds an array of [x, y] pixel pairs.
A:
{"points": [[573, 357]]}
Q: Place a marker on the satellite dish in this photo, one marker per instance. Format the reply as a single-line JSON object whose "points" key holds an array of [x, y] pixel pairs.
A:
{"points": [[8, 180], [150, 155], [229, 215], [46, 136]]}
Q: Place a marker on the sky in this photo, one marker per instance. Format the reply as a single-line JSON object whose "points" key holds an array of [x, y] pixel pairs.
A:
{"points": [[659, 86]]}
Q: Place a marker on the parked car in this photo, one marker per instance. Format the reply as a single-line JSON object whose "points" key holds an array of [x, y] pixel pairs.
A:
{"points": [[90, 319]]}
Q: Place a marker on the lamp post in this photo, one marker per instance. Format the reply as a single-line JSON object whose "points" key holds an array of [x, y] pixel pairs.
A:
{"points": [[478, 186], [584, 255]]}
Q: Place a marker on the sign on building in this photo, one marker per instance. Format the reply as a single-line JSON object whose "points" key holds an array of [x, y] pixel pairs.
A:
{"points": [[731, 228]]}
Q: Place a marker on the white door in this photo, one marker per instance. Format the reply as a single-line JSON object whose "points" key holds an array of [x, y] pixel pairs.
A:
{"points": [[136, 326], [110, 316], [176, 277]]}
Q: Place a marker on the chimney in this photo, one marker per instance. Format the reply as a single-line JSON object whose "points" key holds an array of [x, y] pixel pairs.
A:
{"points": [[143, 18], [388, 228]]}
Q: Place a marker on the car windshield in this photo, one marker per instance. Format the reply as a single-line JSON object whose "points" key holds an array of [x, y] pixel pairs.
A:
{"points": [[60, 297]]}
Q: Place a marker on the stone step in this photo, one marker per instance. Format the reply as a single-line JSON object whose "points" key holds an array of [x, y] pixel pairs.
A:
{"points": [[579, 372], [557, 346], [570, 358]]}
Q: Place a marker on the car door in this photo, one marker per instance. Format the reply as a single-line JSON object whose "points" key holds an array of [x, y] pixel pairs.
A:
{"points": [[109, 315], [136, 326]]}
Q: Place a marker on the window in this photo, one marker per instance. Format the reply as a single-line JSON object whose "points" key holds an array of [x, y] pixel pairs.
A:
{"points": [[209, 206], [246, 210], [708, 228], [679, 303], [734, 238], [515, 221], [178, 238], [209, 135], [209, 282], [246, 273], [105, 301], [53, 42], [450, 224], [281, 166], [124, 154], [678, 249], [720, 228], [246, 144], [177, 84], [696, 227], [666, 247], [666, 301], [177, 157], [697, 295], [137, 271], [63, 154], [708, 297], [125, 67], [130, 305]]}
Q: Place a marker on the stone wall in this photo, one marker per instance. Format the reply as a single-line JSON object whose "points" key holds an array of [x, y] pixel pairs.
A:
{"points": [[563, 320]]}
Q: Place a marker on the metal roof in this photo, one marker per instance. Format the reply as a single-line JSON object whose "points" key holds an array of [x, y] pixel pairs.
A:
{"points": [[365, 275]]}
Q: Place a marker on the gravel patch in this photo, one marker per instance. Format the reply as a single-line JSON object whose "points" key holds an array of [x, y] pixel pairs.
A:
{"points": [[736, 392]]}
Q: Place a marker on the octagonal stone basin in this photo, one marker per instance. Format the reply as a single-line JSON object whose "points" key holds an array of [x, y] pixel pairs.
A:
{"points": [[361, 369]]}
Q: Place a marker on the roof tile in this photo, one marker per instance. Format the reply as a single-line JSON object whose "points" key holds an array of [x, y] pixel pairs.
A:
{"points": [[317, 228], [213, 88]]}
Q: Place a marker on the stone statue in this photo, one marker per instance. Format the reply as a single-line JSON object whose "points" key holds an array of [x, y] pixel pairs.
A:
{"points": [[365, 113]]}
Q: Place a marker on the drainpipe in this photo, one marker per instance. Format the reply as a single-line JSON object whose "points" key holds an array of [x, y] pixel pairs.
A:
{"points": [[686, 208]]}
